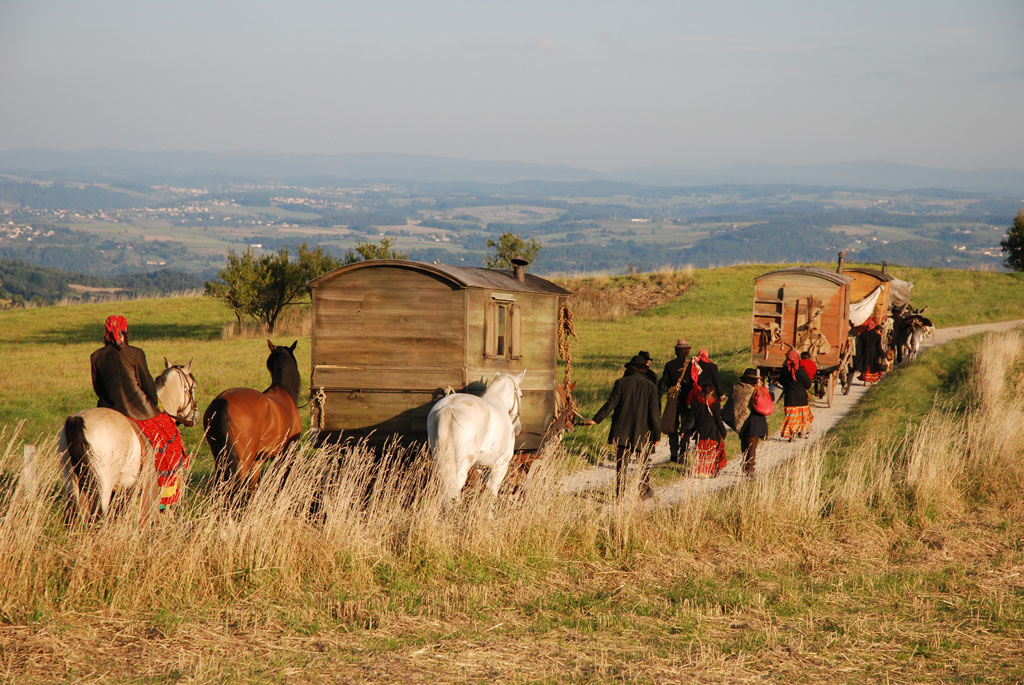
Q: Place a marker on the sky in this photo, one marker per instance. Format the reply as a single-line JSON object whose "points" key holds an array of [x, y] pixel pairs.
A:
{"points": [[594, 84]]}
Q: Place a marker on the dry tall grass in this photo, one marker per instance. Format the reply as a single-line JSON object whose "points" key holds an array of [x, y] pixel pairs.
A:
{"points": [[335, 531], [614, 297]]}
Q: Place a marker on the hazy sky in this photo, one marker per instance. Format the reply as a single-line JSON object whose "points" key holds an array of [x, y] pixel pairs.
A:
{"points": [[597, 84]]}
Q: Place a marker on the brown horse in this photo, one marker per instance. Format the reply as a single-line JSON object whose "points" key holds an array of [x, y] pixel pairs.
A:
{"points": [[244, 427]]}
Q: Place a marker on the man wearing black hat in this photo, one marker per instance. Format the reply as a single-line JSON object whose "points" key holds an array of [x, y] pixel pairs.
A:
{"points": [[669, 378], [647, 371], [633, 404]]}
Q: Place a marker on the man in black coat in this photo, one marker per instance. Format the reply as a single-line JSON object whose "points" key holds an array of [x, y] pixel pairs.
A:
{"points": [[120, 375], [633, 405], [669, 377]]}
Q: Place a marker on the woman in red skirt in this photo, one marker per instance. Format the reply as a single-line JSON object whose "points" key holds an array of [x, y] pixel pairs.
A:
{"points": [[795, 384], [710, 432]]}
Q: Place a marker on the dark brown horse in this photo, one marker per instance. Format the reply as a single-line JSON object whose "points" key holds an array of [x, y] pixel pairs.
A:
{"points": [[244, 427]]}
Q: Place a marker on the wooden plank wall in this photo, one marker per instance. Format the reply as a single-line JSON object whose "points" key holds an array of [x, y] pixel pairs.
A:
{"points": [[797, 287], [388, 317], [385, 328]]}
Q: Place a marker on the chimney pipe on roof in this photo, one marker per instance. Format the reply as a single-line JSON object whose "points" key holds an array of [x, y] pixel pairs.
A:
{"points": [[884, 264], [842, 258], [519, 269]]}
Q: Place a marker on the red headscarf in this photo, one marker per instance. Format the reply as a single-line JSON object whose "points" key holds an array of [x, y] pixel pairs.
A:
{"points": [[702, 356], [117, 330], [793, 362]]}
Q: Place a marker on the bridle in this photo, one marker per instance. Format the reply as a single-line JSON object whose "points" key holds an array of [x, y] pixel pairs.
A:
{"points": [[188, 414], [513, 412]]}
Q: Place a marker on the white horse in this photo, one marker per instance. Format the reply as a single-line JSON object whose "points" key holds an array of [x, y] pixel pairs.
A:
{"points": [[465, 431], [102, 450]]}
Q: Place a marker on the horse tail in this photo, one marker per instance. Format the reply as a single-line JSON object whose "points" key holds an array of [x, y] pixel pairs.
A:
{"points": [[442, 448], [81, 485], [218, 436]]}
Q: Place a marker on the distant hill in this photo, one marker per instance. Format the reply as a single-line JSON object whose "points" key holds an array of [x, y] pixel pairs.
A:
{"points": [[22, 283], [169, 166]]}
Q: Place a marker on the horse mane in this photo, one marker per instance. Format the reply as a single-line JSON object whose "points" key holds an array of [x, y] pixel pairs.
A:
{"points": [[161, 380], [284, 371]]}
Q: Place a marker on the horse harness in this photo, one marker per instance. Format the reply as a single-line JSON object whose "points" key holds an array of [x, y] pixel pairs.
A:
{"points": [[513, 411], [191, 410]]}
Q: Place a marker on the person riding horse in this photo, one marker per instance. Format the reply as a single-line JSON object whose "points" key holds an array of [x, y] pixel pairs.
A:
{"points": [[122, 381], [120, 375]]}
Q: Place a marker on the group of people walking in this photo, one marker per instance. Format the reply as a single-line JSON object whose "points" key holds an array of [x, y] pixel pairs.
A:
{"points": [[697, 409]]}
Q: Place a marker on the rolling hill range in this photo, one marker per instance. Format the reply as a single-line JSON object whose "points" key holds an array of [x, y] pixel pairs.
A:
{"points": [[166, 166]]}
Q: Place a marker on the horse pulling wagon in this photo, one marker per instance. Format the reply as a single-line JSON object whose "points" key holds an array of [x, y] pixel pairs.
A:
{"points": [[806, 309], [392, 337]]}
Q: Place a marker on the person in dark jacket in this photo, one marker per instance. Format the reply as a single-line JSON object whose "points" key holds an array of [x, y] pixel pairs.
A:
{"points": [[710, 430], [699, 371], [751, 426], [868, 354], [795, 384], [670, 378], [120, 375], [633, 405], [647, 371]]}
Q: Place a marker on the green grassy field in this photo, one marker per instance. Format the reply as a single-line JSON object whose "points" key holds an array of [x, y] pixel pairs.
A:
{"points": [[892, 552], [46, 376]]}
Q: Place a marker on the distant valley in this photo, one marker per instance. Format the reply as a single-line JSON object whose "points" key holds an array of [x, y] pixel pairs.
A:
{"points": [[113, 213]]}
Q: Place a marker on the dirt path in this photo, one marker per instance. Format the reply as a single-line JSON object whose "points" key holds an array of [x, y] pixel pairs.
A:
{"points": [[773, 451]]}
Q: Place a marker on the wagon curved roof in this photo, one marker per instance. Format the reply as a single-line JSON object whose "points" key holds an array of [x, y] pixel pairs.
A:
{"points": [[816, 271], [874, 273], [459, 276]]}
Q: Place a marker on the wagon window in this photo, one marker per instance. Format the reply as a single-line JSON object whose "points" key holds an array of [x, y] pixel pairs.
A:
{"points": [[502, 330], [502, 318]]}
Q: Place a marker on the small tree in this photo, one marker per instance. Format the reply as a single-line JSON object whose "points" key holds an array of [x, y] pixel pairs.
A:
{"points": [[1013, 244], [261, 287], [510, 245], [367, 251]]}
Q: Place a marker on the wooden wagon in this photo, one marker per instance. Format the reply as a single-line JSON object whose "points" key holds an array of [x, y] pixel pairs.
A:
{"points": [[871, 296], [807, 309], [391, 337]]}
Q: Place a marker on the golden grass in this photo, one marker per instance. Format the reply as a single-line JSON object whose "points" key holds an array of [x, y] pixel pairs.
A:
{"points": [[802, 574]]}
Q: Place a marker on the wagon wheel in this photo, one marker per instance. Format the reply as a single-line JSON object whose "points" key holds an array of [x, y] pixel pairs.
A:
{"points": [[831, 388]]}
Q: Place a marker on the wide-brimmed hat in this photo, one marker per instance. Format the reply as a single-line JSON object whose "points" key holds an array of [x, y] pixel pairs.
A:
{"points": [[637, 360], [682, 342], [750, 375], [646, 355]]}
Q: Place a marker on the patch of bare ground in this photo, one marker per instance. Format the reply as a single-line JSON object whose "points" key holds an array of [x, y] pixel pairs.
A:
{"points": [[606, 298]]}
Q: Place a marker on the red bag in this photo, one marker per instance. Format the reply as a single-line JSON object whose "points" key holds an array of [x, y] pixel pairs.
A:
{"points": [[762, 402]]}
